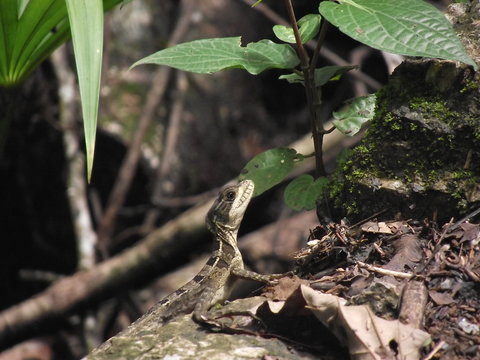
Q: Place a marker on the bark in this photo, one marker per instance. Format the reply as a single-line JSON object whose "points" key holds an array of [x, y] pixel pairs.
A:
{"points": [[145, 339]]}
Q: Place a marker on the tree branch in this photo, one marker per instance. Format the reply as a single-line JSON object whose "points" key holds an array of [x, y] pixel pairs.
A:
{"points": [[71, 293], [127, 170], [76, 184]]}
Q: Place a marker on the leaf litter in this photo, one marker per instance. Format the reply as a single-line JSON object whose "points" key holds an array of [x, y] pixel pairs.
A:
{"points": [[382, 290]]}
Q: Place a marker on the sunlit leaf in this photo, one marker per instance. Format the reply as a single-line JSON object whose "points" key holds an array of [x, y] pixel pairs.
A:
{"points": [[358, 112], [308, 27], [212, 55], [304, 192], [86, 21], [406, 27], [270, 168]]}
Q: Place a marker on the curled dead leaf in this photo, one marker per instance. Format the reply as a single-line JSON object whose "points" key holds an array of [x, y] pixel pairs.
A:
{"points": [[366, 335]]}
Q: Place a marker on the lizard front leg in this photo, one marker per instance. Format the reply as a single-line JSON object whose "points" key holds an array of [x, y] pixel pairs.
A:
{"points": [[242, 273]]}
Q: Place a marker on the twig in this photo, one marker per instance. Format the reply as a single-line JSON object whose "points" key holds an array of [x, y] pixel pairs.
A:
{"points": [[318, 47], [434, 351], [184, 200], [385, 272], [464, 219], [77, 188], [436, 248], [361, 222], [129, 165], [171, 138]]}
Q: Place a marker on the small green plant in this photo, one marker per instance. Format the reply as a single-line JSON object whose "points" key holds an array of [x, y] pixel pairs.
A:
{"points": [[406, 27], [30, 30]]}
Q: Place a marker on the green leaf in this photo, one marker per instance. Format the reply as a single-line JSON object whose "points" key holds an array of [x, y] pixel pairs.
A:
{"points": [[327, 73], [303, 192], [212, 55], [292, 78], [269, 168], [359, 111], [29, 32], [407, 27], [322, 75], [86, 21], [308, 27]]}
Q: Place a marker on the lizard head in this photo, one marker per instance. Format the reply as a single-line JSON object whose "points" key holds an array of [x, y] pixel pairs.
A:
{"points": [[228, 210]]}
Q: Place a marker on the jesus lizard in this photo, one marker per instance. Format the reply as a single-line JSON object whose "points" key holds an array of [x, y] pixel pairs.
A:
{"points": [[215, 281]]}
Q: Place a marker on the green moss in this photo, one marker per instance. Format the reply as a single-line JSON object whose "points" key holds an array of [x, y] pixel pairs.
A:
{"points": [[470, 85], [389, 117], [461, 174], [417, 136], [434, 108]]}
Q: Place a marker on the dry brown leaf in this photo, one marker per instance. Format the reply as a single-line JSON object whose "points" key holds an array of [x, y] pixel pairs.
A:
{"points": [[471, 232], [366, 335], [441, 298], [376, 227], [285, 287], [407, 253]]}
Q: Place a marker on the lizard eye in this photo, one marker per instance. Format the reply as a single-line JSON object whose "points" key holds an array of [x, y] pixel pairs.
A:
{"points": [[230, 195]]}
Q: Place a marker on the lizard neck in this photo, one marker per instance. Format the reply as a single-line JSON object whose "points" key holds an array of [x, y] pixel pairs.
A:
{"points": [[226, 243]]}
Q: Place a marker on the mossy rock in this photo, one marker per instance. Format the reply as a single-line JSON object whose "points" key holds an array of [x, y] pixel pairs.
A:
{"points": [[420, 157]]}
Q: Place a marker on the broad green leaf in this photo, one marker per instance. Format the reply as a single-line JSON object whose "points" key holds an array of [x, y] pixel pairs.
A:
{"points": [[86, 21], [406, 27], [269, 168], [359, 111], [212, 55], [308, 27], [322, 75], [303, 192]]}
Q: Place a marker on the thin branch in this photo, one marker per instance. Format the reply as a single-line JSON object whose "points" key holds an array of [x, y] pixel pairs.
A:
{"points": [[434, 352], [385, 272], [76, 185], [171, 139], [318, 46], [105, 279], [127, 170], [302, 54]]}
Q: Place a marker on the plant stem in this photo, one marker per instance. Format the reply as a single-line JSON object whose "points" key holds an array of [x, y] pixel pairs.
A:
{"points": [[311, 91], [321, 38]]}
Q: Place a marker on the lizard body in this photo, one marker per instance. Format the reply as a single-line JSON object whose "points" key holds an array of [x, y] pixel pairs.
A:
{"points": [[215, 281]]}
